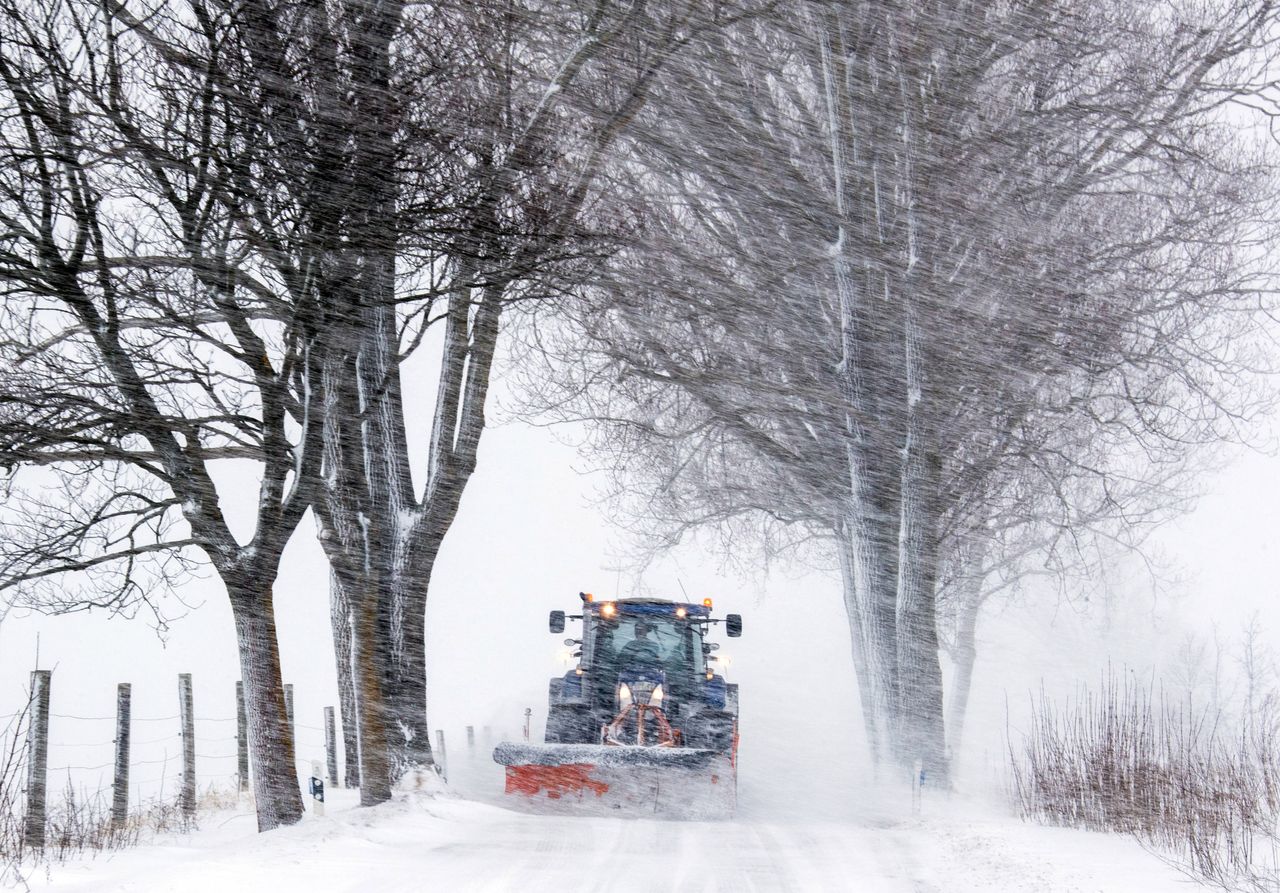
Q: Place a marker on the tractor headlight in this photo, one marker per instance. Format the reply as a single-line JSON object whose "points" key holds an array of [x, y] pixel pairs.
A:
{"points": [[655, 699], [624, 695]]}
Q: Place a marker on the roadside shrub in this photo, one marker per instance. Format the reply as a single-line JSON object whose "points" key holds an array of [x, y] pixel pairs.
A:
{"points": [[1125, 760]]}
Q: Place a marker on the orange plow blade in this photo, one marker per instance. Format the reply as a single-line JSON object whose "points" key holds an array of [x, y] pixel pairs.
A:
{"points": [[593, 779]]}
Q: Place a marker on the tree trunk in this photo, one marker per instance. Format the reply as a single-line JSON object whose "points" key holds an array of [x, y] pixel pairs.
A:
{"points": [[271, 746], [857, 633], [340, 617], [922, 733], [455, 437], [361, 502], [964, 657], [411, 741], [368, 668], [869, 530], [400, 562], [869, 593]]}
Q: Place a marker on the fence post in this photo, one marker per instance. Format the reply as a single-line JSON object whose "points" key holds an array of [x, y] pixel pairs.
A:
{"points": [[187, 716], [442, 758], [242, 740], [331, 746], [38, 765], [288, 714], [471, 737], [120, 781]]}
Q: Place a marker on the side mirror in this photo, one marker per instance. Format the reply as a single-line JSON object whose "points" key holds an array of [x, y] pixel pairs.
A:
{"points": [[557, 621], [733, 625]]}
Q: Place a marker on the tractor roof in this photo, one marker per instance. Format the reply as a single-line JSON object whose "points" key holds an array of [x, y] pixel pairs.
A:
{"points": [[652, 606]]}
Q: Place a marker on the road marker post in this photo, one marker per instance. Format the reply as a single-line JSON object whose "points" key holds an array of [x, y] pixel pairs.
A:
{"points": [[317, 788]]}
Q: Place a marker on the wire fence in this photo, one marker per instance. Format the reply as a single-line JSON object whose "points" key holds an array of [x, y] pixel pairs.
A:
{"points": [[74, 783], [103, 756]]}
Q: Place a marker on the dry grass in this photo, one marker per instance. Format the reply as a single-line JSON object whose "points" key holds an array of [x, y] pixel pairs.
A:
{"points": [[1122, 760], [12, 766], [78, 823]]}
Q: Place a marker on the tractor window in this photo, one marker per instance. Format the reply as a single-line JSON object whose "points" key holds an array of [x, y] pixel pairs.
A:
{"points": [[652, 639]]}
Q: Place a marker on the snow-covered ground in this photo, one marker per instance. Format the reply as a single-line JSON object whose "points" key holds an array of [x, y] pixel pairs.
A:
{"points": [[781, 839]]}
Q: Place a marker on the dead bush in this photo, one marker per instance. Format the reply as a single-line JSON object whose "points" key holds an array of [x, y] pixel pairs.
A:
{"points": [[1123, 759]]}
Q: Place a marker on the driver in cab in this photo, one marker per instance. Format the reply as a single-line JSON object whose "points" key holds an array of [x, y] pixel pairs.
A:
{"points": [[641, 650]]}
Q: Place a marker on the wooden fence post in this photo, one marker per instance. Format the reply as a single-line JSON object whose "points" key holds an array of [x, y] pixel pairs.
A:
{"points": [[242, 740], [331, 746], [471, 737], [187, 716], [120, 780], [38, 759]]}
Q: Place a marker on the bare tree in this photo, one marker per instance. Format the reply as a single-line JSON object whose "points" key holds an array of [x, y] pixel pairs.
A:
{"points": [[1062, 536], [893, 253], [503, 147], [144, 335]]}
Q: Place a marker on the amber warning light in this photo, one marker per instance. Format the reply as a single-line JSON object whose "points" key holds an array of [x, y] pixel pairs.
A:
{"points": [[706, 603]]}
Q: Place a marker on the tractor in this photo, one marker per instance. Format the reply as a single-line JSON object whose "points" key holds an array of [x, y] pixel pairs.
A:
{"points": [[644, 723]]}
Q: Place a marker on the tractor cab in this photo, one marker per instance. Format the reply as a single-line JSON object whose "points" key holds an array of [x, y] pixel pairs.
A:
{"points": [[654, 642], [641, 660]]}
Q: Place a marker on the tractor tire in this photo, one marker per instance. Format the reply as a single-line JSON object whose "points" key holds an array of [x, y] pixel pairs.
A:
{"points": [[710, 730], [571, 725]]}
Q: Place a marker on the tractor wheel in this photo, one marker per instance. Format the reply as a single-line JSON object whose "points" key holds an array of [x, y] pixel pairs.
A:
{"points": [[570, 725], [710, 730]]}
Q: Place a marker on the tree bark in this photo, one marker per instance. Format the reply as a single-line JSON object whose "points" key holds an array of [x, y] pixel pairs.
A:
{"points": [[351, 530], [411, 744], [340, 618], [371, 707], [271, 745]]}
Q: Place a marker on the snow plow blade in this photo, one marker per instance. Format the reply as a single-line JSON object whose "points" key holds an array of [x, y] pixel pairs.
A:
{"points": [[595, 779]]}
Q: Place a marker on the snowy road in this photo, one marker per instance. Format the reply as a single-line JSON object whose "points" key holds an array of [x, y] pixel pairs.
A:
{"points": [[451, 843]]}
